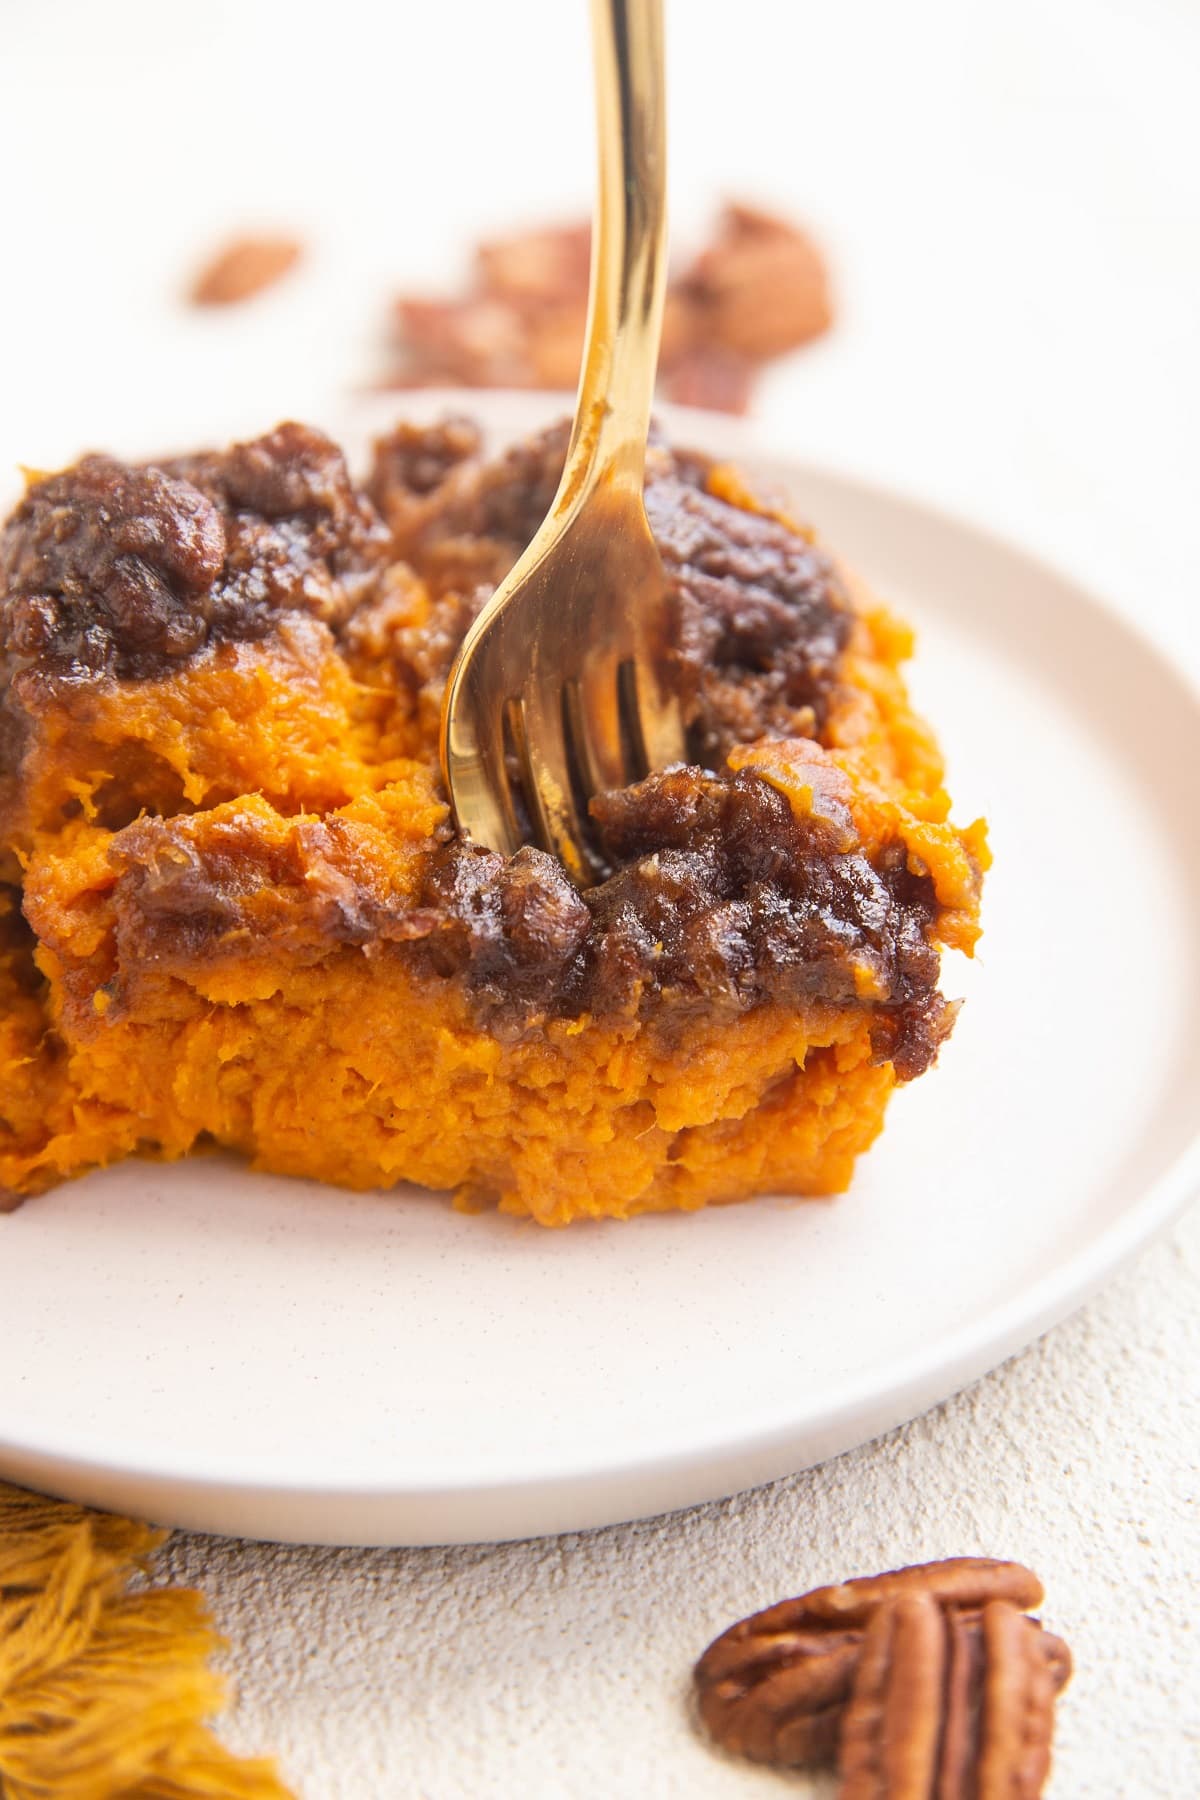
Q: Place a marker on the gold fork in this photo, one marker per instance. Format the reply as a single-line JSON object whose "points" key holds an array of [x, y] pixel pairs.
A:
{"points": [[562, 684]]}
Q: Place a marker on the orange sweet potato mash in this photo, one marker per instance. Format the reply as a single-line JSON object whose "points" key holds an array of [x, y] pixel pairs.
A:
{"points": [[233, 908]]}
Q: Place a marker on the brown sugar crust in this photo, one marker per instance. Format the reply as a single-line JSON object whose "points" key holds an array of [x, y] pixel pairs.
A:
{"points": [[764, 614], [236, 906], [119, 571], [722, 900]]}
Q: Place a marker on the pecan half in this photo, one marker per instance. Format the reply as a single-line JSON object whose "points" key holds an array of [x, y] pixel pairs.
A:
{"points": [[943, 1709], [891, 1732], [868, 1664], [778, 1698], [966, 1581], [1018, 1709]]}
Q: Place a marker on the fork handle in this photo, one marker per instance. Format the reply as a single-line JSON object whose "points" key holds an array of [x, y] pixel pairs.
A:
{"points": [[629, 243]]}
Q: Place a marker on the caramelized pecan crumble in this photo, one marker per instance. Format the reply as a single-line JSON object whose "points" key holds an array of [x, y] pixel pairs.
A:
{"points": [[113, 570], [925, 1683]]}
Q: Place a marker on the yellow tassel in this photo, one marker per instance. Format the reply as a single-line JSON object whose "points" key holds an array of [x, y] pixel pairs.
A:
{"points": [[104, 1691]]}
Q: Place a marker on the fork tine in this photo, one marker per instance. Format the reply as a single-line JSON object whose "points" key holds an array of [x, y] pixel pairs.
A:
{"points": [[547, 783], [592, 708], [658, 713], [476, 759]]}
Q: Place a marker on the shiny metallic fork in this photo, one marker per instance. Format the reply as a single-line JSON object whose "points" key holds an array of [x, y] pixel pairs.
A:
{"points": [[563, 680]]}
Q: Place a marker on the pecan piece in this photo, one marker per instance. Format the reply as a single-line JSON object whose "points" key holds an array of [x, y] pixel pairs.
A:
{"points": [[760, 288], [772, 1686], [243, 268], [708, 375], [891, 1731], [1018, 1708], [778, 1698], [539, 266], [964, 1581], [761, 285], [944, 1707], [964, 1661], [775, 1686]]}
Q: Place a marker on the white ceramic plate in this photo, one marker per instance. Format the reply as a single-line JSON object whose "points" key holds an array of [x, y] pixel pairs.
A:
{"points": [[248, 1355]]}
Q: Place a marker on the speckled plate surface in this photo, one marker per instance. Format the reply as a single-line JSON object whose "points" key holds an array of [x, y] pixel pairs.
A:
{"points": [[243, 1354]]}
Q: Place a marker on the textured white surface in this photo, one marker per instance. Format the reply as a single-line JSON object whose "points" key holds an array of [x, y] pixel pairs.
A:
{"points": [[561, 1667], [1011, 195]]}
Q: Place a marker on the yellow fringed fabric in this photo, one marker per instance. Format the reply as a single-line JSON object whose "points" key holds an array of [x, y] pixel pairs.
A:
{"points": [[104, 1691]]}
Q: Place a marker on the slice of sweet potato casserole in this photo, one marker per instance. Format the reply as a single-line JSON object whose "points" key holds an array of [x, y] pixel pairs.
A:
{"points": [[234, 910]]}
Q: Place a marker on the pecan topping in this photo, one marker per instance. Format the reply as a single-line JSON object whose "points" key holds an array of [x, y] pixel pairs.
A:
{"points": [[925, 1683]]}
